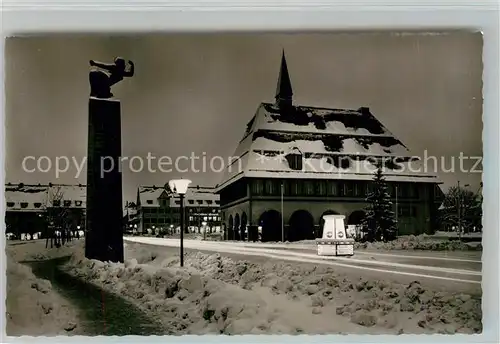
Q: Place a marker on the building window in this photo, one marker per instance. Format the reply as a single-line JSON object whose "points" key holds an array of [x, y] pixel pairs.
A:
{"points": [[270, 187], [38, 205], [190, 218], [357, 189], [294, 161], [10, 204], [177, 202], [200, 201], [309, 187], [413, 190], [286, 187], [149, 201], [217, 202], [332, 188], [369, 188], [407, 211], [257, 187], [67, 203], [348, 189], [78, 203], [296, 188], [24, 204], [403, 190], [321, 187], [56, 203], [190, 201], [209, 201]]}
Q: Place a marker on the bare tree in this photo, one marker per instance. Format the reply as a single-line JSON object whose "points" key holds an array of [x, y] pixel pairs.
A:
{"points": [[461, 209], [57, 216]]}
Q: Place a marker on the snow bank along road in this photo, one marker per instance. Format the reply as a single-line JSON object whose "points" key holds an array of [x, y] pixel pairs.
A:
{"points": [[446, 272]]}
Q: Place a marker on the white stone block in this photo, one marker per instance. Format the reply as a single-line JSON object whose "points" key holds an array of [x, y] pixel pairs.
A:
{"points": [[334, 241]]}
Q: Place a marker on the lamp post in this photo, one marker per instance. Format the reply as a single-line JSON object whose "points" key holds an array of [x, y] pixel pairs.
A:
{"points": [[282, 215], [180, 187], [397, 213], [460, 201]]}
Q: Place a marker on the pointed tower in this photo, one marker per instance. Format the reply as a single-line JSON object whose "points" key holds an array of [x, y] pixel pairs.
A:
{"points": [[284, 91]]}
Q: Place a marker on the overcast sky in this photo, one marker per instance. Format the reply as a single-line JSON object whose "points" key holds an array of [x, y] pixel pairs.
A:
{"points": [[196, 93]]}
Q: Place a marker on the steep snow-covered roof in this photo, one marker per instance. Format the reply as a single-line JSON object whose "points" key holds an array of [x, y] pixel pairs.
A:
{"points": [[21, 197], [149, 196], [334, 144]]}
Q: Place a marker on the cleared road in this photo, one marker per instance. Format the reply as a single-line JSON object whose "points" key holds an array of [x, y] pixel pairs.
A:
{"points": [[444, 272]]}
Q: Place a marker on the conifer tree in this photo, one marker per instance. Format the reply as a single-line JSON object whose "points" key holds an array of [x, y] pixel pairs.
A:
{"points": [[379, 222]]}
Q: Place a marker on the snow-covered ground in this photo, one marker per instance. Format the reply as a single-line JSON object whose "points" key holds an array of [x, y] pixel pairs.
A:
{"points": [[33, 307], [216, 293]]}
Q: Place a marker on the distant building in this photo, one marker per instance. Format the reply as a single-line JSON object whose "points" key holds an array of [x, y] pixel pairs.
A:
{"points": [[298, 163], [33, 208], [159, 209], [130, 216]]}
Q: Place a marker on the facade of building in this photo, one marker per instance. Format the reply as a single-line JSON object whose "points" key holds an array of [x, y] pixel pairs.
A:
{"points": [[130, 217], [35, 208], [297, 163], [159, 209]]}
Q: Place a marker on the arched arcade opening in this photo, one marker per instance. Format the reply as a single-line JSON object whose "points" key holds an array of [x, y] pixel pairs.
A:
{"points": [[356, 217], [270, 221], [301, 226], [237, 227], [243, 227], [230, 228]]}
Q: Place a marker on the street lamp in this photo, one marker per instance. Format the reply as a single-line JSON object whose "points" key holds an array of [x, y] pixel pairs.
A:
{"points": [[180, 187], [459, 209]]}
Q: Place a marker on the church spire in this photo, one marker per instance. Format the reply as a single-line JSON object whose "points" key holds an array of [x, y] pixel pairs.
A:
{"points": [[284, 91]]}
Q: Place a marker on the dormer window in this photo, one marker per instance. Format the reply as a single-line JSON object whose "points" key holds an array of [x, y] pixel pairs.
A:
{"points": [[24, 205], [11, 204], [38, 205], [67, 203], [56, 203], [149, 201], [78, 203], [294, 161]]}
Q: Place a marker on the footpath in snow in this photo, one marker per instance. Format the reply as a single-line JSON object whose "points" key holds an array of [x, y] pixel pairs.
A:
{"points": [[43, 300], [33, 307]]}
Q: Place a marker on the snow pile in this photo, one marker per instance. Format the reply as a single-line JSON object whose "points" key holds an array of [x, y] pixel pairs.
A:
{"points": [[33, 308], [407, 242], [420, 242], [216, 294], [185, 301], [366, 302]]}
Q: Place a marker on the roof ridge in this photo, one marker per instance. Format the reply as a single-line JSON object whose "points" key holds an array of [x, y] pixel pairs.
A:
{"points": [[319, 107]]}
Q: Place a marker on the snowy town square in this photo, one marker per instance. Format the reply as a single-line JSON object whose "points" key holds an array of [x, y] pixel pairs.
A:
{"points": [[243, 184]]}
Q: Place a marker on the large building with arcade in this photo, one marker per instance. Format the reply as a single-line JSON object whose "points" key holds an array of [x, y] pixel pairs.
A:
{"points": [[297, 163]]}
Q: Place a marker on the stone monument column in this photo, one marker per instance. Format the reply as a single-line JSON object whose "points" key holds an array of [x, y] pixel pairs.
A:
{"points": [[104, 238]]}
